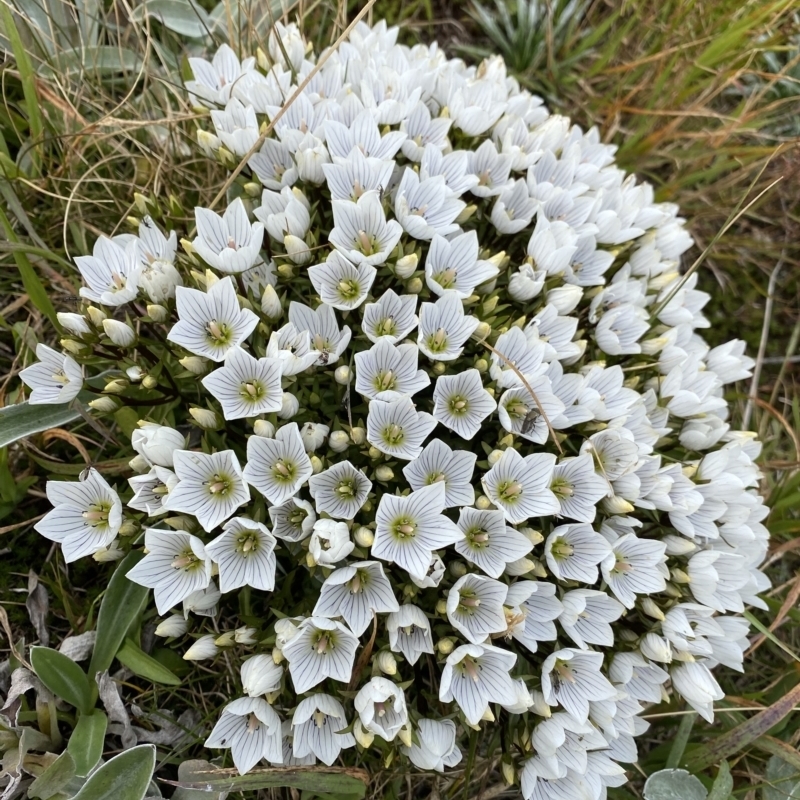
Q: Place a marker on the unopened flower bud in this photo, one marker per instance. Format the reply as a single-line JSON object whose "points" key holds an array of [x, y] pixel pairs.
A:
{"points": [[482, 330], [339, 441], [245, 635], [253, 189], [195, 364], [445, 646], [135, 374], [616, 505], [277, 655], [128, 527], [483, 502], [285, 270], [404, 735], [466, 214], [271, 303], [264, 428], [494, 457], [358, 435], [109, 553], [384, 473], [290, 405], [138, 463], [650, 607], [439, 367], [488, 715], [205, 418], [374, 453], [316, 464], [74, 323], [120, 333], [407, 266], [522, 566], [414, 286], [297, 249], [656, 648], [116, 386], [149, 382], [157, 313], [509, 776], [342, 375], [386, 662], [364, 537], [678, 575], [225, 640], [175, 625], [73, 347], [539, 706], [441, 606], [364, 737], [533, 536], [204, 647], [481, 365], [96, 316], [457, 568]]}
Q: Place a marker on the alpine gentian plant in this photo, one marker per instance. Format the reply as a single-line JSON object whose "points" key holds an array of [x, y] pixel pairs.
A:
{"points": [[430, 393]]}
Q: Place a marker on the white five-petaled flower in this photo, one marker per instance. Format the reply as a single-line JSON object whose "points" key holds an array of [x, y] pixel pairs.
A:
{"points": [[341, 284], [572, 679], [444, 328], [151, 489], [578, 487], [475, 675], [409, 632], [437, 746], [86, 515], [533, 606], [292, 348], [244, 553], [211, 323], [364, 134], [519, 486], [381, 707], [488, 542], [340, 491], [514, 355], [251, 728], [410, 528], [210, 486], [586, 617], [316, 727], [439, 463], [514, 208], [397, 428], [392, 317], [573, 552], [176, 566], [111, 272], [461, 403], [214, 81], [236, 126], [246, 386], [635, 566], [330, 542], [54, 378], [349, 178], [355, 593], [229, 243], [426, 207], [293, 520], [475, 607], [277, 467], [453, 266], [387, 371], [326, 338], [361, 232], [322, 648], [520, 413]]}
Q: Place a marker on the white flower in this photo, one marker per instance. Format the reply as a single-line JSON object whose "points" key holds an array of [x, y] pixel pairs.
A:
{"points": [[635, 566], [488, 542], [356, 592], [514, 208], [277, 467], [261, 675], [316, 727], [381, 707], [526, 283], [251, 728], [76, 324], [246, 386], [86, 515], [293, 520], [244, 553], [393, 317], [55, 378], [409, 632], [552, 245], [476, 106], [410, 528], [586, 616], [534, 606], [237, 127], [211, 323], [397, 428], [437, 746], [229, 243], [518, 485], [695, 683], [120, 333], [454, 266], [283, 213], [461, 403], [322, 648], [321, 323], [475, 607], [492, 170], [111, 272], [202, 602], [349, 178], [176, 565], [578, 487], [387, 371], [453, 167], [214, 81], [151, 489], [273, 165], [341, 284], [292, 348], [360, 230], [291, 50], [519, 413], [203, 648], [572, 679], [444, 328], [313, 435], [311, 155], [426, 207], [574, 551], [363, 134], [173, 626], [210, 486], [340, 491], [423, 132], [526, 356], [330, 542], [438, 463], [475, 675]]}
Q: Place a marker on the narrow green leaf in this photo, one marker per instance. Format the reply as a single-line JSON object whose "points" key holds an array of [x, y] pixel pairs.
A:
{"points": [[145, 666], [100, 60], [723, 783], [86, 742], [63, 677], [125, 777], [122, 605], [22, 420], [184, 17], [54, 778], [680, 740]]}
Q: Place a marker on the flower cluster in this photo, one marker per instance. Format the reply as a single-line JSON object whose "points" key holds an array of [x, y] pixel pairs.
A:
{"points": [[431, 395]]}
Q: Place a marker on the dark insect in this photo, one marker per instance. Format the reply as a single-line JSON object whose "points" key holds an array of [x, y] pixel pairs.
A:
{"points": [[529, 423], [324, 357], [147, 222]]}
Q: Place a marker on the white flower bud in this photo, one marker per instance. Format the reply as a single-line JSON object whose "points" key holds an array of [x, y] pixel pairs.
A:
{"points": [[466, 213], [522, 566], [364, 537], [656, 648], [73, 347], [339, 441], [509, 775], [494, 457], [406, 266], [209, 143], [260, 675], [119, 332], [74, 323], [116, 386], [109, 553], [175, 625], [264, 428], [316, 464], [364, 737], [445, 646], [157, 313], [96, 316], [483, 502], [290, 405], [277, 655], [105, 405], [149, 382], [245, 635], [457, 568], [565, 297], [482, 330], [271, 303], [206, 419], [297, 249], [616, 505], [204, 647], [488, 716], [384, 473], [533, 536], [285, 631], [195, 364], [358, 435], [387, 663], [139, 463], [310, 157], [225, 640], [414, 286], [650, 607], [404, 735], [128, 527], [134, 374], [678, 546], [342, 375], [441, 606], [313, 435], [157, 443]]}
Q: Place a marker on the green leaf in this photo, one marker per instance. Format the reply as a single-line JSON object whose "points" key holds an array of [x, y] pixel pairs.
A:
{"points": [[101, 60], [86, 742], [54, 778], [723, 783], [122, 605], [183, 17], [681, 738], [674, 784], [125, 777], [783, 781], [22, 420], [350, 782], [145, 666], [186, 773], [63, 677]]}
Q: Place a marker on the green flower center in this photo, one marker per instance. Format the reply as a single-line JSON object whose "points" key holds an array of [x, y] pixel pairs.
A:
{"points": [[366, 244], [323, 642], [478, 538], [561, 549], [284, 471], [561, 487], [458, 405], [186, 561], [386, 327], [219, 485], [393, 435], [97, 514], [404, 528], [437, 342], [509, 491], [247, 543], [346, 489], [446, 278], [348, 289], [252, 391], [468, 602], [517, 410], [384, 381], [358, 582], [218, 334]]}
